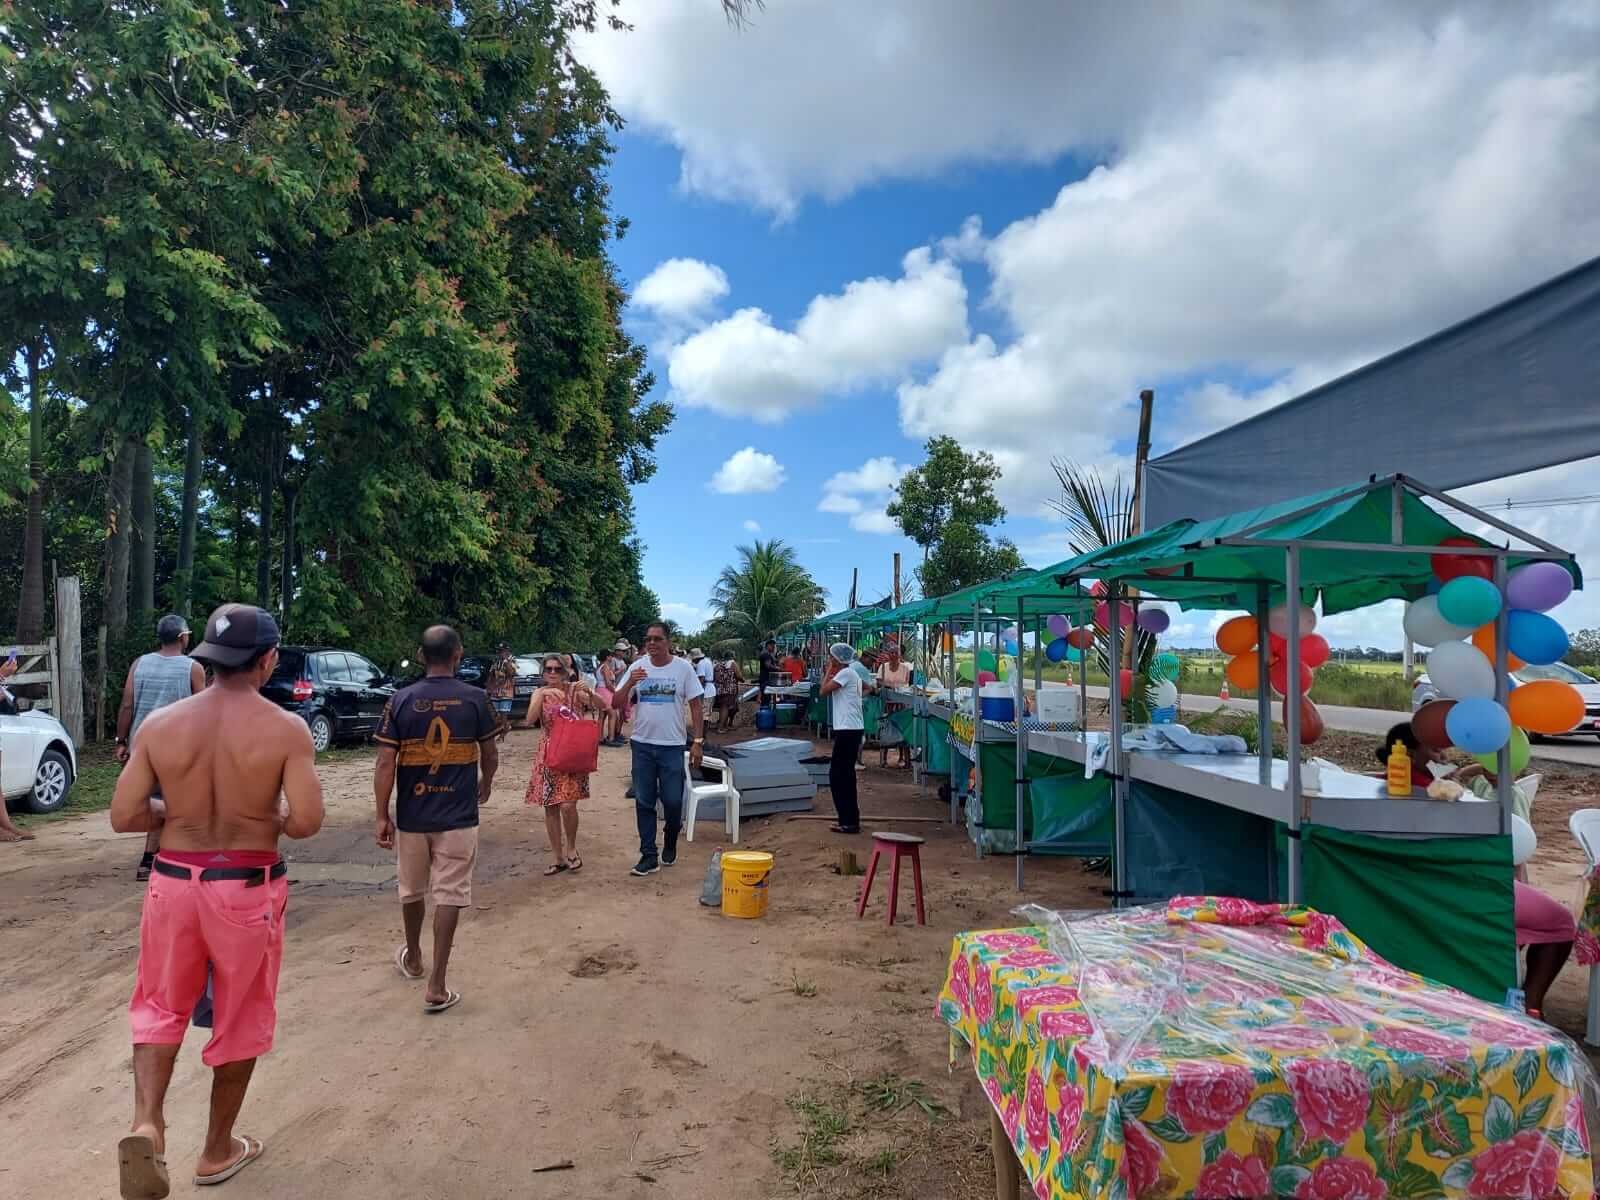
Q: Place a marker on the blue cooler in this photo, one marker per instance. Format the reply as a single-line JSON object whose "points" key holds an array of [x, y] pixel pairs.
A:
{"points": [[766, 719], [997, 702]]}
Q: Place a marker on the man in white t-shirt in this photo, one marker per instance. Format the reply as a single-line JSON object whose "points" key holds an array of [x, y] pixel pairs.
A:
{"points": [[705, 669], [661, 685], [845, 685]]}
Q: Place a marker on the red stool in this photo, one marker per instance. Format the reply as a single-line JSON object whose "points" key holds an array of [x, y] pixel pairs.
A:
{"points": [[900, 845]]}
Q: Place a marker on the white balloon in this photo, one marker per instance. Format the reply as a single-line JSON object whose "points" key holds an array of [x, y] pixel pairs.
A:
{"points": [[1425, 626], [1163, 693], [1523, 841], [1278, 620], [1461, 671]]}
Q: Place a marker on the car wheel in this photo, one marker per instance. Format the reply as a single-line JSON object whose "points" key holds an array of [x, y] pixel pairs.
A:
{"points": [[52, 780], [321, 731]]}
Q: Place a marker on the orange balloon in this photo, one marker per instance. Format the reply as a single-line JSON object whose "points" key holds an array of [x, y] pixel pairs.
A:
{"points": [[1483, 639], [1546, 706], [949, 643], [1238, 635], [1245, 670]]}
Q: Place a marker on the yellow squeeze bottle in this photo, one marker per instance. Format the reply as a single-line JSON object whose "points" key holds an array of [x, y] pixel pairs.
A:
{"points": [[1399, 770]]}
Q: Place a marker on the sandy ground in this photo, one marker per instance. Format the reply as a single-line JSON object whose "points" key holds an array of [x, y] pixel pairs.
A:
{"points": [[609, 1022]]}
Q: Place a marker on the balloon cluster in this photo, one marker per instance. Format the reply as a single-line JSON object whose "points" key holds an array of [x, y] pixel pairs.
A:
{"points": [[1457, 623], [1241, 639], [1067, 644]]}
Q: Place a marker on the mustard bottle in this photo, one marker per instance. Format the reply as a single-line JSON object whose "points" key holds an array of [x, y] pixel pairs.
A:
{"points": [[1399, 770]]}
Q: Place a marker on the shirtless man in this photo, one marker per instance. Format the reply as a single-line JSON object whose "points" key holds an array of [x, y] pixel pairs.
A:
{"points": [[221, 759]]}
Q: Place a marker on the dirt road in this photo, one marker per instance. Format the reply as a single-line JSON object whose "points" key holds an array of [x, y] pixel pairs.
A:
{"points": [[612, 1022]]}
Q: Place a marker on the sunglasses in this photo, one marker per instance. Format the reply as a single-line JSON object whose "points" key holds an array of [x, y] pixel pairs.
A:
{"points": [[554, 669]]}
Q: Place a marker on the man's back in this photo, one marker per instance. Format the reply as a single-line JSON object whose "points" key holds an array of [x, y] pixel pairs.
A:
{"points": [[221, 760], [438, 726]]}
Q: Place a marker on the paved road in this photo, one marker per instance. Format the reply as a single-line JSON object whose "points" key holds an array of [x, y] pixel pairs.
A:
{"points": [[1584, 750]]}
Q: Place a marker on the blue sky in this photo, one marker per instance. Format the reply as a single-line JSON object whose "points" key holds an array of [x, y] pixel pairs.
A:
{"points": [[856, 226]]}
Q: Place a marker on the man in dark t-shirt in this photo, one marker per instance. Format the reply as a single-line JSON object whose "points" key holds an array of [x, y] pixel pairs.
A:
{"points": [[769, 667], [436, 741]]}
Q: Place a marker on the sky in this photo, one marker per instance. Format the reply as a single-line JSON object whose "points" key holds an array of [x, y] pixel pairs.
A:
{"points": [[854, 227]]}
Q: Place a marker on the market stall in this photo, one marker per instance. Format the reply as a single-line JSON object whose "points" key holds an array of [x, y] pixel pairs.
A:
{"points": [[1214, 1047], [1190, 819]]}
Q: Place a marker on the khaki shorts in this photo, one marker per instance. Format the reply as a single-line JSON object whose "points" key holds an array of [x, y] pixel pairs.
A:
{"points": [[437, 865]]}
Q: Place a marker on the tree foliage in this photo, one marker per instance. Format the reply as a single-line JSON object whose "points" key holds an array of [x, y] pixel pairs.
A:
{"points": [[766, 592], [359, 251], [946, 506]]}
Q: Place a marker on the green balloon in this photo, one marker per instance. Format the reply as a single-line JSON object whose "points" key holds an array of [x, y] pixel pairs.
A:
{"points": [[1165, 666], [986, 660], [964, 673], [1521, 751]]}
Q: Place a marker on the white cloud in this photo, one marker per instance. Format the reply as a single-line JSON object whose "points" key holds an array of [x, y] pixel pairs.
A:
{"points": [[749, 470], [873, 520], [873, 331], [969, 244], [862, 494], [681, 290], [752, 526], [685, 616]]}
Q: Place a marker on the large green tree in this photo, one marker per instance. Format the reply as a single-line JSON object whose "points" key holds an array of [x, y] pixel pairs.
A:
{"points": [[765, 592], [946, 505]]}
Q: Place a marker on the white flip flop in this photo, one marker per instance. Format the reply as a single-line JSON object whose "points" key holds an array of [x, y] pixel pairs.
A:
{"points": [[253, 1149]]}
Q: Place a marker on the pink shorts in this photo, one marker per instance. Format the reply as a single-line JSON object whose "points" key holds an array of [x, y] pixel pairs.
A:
{"points": [[234, 927], [1540, 919], [604, 694]]}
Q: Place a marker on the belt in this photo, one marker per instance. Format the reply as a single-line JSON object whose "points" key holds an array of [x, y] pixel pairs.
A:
{"points": [[256, 876]]}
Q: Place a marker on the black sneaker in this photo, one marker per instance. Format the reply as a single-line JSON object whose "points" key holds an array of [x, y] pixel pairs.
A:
{"points": [[645, 866], [669, 853], [629, 794]]}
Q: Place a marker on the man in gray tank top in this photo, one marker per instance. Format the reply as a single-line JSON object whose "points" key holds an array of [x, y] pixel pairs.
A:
{"points": [[155, 681]]}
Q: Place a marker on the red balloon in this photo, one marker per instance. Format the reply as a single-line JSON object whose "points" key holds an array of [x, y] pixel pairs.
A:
{"points": [[1278, 673], [1081, 638], [1311, 727], [1125, 680], [1428, 723], [1277, 646], [1314, 650], [1453, 566]]}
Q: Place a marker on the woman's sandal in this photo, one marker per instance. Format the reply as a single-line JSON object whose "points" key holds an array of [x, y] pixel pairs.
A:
{"points": [[556, 868], [574, 863]]}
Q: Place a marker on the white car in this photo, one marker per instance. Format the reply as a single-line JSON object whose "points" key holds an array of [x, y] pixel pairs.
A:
{"points": [[37, 760], [1588, 687]]}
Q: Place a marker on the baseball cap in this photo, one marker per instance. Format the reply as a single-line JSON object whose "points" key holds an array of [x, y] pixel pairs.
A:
{"points": [[236, 633]]}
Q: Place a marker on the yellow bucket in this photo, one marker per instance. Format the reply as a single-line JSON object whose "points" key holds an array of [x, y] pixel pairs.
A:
{"points": [[744, 883]]}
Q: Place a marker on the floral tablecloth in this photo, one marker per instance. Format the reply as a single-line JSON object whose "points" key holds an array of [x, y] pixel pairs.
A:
{"points": [[1217, 1048], [1587, 947]]}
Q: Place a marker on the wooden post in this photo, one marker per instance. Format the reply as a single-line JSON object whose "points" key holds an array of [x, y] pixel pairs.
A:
{"points": [[1007, 1170], [69, 654], [854, 574], [897, 579], [1141, 455]]}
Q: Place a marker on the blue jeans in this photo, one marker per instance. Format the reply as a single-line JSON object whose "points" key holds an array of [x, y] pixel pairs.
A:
{"points": [[657, 776]]}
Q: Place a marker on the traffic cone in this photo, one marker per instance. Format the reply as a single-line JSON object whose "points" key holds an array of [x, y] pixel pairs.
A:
{"points": [[1223, 694]]}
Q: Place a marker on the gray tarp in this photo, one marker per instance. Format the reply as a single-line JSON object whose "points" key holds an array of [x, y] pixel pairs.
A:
{"points": [[1509, 390]]}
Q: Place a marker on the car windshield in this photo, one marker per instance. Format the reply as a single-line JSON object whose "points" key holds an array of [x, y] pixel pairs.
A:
{"points": [[1559, 671], [528, 664]]}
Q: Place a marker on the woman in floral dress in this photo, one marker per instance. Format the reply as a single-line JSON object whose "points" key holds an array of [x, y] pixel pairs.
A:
{"points": [[558, 792]]}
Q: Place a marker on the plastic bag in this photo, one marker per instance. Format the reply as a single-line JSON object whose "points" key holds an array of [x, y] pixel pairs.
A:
{"points": [[711, 889]]}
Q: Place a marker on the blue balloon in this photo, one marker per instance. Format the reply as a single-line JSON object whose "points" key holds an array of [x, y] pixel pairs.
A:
{"points": [[1010, 646], [1057, 650], [1432, 587], [1534, 637], [1469, 601], [1478, 726]]}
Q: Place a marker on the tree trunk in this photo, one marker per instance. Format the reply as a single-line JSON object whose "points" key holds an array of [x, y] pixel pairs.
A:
{"points": [[119, 506], [286, 569], [142, 531], [30, 606], [264, 532], [193, 461]]}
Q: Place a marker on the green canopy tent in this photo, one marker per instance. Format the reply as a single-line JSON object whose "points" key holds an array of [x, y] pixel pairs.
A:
{"points": [[1347, 547]]}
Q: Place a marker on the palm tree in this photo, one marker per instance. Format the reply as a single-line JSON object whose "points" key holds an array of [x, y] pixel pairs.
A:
{"points": [[1097, 516], [766, 592]]}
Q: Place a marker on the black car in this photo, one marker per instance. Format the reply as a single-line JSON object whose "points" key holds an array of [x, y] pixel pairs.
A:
{"points": [[340, 694], [474, 669]]}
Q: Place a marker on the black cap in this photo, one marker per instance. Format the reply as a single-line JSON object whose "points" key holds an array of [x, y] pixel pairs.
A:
{"points": [[235, 634]]}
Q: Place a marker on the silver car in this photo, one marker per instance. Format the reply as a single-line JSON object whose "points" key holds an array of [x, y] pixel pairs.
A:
{"points": [[38, 761], [1588, 687]]}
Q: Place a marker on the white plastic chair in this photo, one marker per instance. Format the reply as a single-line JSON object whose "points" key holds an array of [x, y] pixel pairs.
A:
{"points": [[694, 792], [1585, 826]]}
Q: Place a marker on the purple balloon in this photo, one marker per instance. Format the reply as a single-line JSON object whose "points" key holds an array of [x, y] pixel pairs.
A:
{"points": [[1538, 586], [1154, 620], [1058, 625]]}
